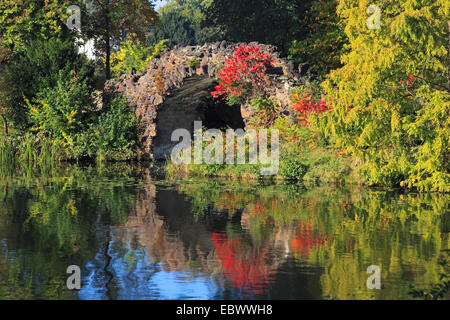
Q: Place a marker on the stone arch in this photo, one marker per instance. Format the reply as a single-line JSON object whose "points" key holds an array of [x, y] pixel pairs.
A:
{"points": [[178, 82], [192, 102]]}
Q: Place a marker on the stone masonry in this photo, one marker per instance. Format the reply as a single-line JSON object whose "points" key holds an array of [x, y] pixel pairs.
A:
{"points": [[169, 80]]}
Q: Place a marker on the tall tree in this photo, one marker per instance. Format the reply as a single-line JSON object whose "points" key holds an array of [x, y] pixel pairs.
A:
{"points": [[110, 21], [21, 23], [275, 22], [391, 98], [183, 23], [325, 40]]}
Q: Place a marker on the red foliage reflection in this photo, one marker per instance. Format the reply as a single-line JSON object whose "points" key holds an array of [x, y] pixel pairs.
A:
{"points": [[305, 240], [246, 268]]}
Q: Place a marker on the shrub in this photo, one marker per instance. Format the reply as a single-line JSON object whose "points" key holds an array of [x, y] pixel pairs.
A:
{"points": [[38, 150], [292, 167], [39, 68], [243, 75], [134, 55], [60, 111], [325, 42], [267, 111], [115, 133], [307, 99]]}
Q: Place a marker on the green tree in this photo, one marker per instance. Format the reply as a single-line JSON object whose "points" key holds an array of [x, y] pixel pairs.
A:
{"points": [[22, 22], [183, 23], [324, 43], [111, 21], [40, 67], [25, 20], [275, 22], [391, 97]]}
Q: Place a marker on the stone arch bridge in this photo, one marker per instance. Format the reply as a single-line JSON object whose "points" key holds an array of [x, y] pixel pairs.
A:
{"points": [[171, 93]]}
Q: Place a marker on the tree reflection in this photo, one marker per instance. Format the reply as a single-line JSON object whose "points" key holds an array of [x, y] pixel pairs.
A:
{"points": [[136, 237]]}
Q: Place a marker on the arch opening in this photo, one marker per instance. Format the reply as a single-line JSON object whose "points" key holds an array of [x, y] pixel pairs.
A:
{"points": [[192, 102]]}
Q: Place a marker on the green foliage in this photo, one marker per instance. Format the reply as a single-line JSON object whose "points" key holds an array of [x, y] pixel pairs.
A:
{"points": [[292, 134], [192, 62], [60, 111], [134, 55], [6, 90], [35, 151], [438, 290], [22, 21], [42, 66], [292, 167], [115, 133], [275, 22], [391, 97], [325, 41], [235, 100], [7, 155], [111, 134], [261, 103], [267, 112], [183, 23], [342, 230], [53, 222], [114, 20], [327, 167]]}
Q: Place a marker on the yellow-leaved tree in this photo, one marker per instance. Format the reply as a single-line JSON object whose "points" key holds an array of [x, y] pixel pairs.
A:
{"points": [[391, 97]]}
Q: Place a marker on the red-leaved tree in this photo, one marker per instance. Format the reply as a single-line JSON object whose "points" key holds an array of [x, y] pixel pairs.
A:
{"points": [[244, 74]]}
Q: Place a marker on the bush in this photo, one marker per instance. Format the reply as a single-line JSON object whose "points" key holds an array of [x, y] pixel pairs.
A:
{"points": [[243, 75], [134, 55], [115, 133], [325, 42], [67, 115], [307, 99], [292, 167], [267, 111], [6, 153], [61, 111], [40, 68]]}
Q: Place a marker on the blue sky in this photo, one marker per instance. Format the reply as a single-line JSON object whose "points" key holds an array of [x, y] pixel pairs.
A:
{"points": [[159, 3]]}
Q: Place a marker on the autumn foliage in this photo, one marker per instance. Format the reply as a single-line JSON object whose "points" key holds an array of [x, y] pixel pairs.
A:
{"points": [[244, 73], [305, 104], [246, 270]]}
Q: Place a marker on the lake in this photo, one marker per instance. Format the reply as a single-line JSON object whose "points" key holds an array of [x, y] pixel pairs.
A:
{"points": [[135, 235]]}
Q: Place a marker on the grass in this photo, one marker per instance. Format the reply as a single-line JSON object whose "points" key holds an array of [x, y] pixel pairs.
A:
{"points": [[28, 151], [314, 166]]}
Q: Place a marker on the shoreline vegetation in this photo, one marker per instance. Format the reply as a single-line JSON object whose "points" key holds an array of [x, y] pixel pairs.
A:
{"points": [[371, 107]]}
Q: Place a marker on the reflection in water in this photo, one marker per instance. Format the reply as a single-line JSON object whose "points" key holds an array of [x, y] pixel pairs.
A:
{"points": [[139, 238]]}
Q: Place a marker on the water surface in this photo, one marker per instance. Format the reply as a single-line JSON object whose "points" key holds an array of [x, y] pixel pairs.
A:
{"points": [[138, 237]]}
